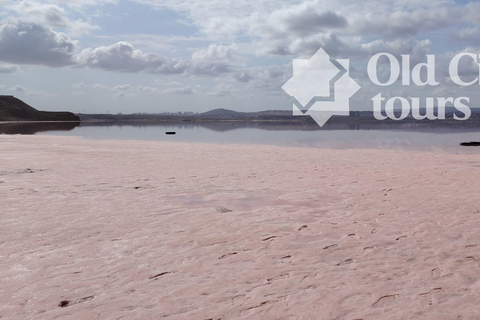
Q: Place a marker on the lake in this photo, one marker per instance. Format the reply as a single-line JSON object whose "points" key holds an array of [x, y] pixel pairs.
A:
{"points": [[425, 136]]}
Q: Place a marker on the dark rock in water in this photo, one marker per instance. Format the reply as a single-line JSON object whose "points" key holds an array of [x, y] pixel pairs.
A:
{"points": [[13, 109], [470, 144], [222, 209], [170, 132]]}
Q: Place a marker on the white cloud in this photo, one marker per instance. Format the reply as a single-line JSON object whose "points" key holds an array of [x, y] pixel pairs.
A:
{"points": [[30, 43], [119, 88], [40, 13], [471, 12], [220, 19], [79, 85], [470, 36], [284, 21], [222, 90], [123, 57], [124, 95], [146, 89], [268, 78], [381, 20], [289, 26], [79, 28], [123, 87], [99, 86], [79, 5], [161, 43], [347, 46], [209, 69], [19, 89], [50, 15], [401, 23], [295, 21], [8, 68], [214, 52], [214, 60], [179, 90]]}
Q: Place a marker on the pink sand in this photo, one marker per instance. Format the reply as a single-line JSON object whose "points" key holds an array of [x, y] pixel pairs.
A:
{"points": [[130, 230]]}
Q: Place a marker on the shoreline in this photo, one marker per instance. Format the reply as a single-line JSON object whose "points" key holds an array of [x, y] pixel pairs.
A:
{"points": [[142, 229]]}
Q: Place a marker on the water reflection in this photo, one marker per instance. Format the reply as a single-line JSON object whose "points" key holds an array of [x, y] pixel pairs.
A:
{"points": [[334, 124], [36, 127], [429, 135]]}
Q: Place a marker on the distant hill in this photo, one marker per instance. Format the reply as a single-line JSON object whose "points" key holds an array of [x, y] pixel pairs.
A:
{"points": [[13, 109], [222, 113], [225, 113]]}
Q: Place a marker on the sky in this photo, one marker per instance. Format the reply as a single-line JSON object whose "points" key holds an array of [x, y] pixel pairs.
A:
{"points": [[154, 56]]}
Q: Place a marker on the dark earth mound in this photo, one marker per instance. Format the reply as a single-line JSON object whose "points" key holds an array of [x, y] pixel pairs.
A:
{"points": [[13, 109]]}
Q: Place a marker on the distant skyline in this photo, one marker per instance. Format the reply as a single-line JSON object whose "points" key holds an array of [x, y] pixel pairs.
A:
{"points": [[188, 55]]}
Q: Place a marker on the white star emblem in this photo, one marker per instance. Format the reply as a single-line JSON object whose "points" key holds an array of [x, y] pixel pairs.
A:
{"points": [[311, 80]]}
